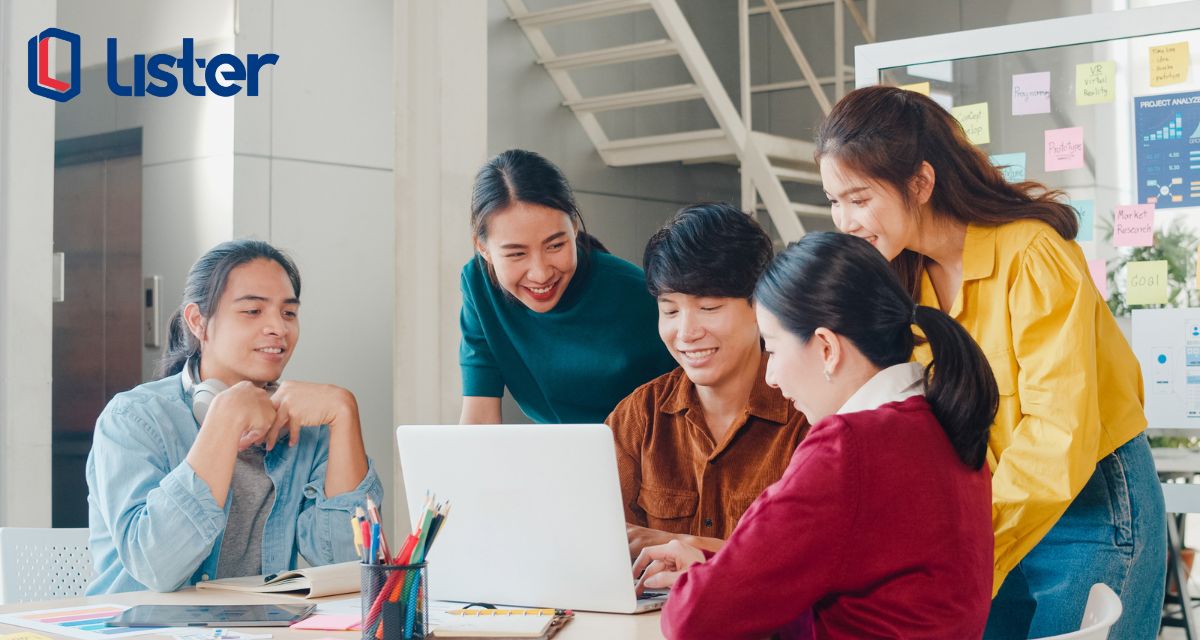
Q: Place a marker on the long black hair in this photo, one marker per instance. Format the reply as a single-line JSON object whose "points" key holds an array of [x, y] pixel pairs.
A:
{"points": [[840, 282], [885, 133], [205, 283], [518, 175]]}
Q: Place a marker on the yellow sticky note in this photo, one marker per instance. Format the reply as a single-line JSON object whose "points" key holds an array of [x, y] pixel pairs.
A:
{"points": [[1146, 282], [919, 87], [1168, 64], [974, 121], [1198, 267], [1094, 82]]}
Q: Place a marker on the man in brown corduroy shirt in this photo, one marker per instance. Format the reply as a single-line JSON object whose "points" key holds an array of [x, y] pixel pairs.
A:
{"points": [[697, 445]]}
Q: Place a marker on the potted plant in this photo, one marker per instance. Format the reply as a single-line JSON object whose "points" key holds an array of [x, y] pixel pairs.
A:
{"points": [[1177, 245]]}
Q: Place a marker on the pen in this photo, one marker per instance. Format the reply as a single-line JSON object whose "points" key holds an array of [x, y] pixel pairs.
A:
{"points": [[357, 535], [374, 542], [373, 510], [366, 538]]}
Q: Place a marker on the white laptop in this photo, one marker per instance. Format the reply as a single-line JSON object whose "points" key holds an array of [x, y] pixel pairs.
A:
{"points": [[535, 518]]}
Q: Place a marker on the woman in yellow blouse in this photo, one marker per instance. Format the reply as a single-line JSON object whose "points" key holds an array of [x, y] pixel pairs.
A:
{"points": [[1075, 498]]}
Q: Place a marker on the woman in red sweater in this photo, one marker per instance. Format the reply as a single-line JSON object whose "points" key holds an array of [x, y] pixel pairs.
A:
{"points": [[881, 526]]}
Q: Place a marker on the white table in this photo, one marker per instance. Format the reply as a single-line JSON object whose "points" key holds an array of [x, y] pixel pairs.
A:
{"points": [[585, 626]]}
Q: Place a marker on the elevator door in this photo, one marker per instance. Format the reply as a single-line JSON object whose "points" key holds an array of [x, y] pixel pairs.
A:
{"points": [[97, 325]]}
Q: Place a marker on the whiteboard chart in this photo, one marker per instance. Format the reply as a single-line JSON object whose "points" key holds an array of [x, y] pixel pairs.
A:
{"points": [[1167, 343]]}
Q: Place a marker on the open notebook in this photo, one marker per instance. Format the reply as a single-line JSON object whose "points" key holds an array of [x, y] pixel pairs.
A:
{"points": [[310, 582]]}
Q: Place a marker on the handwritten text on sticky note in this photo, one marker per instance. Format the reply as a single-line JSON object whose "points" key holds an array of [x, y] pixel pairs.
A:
{"points": [[1133, 225], [1064, 149], [974, 121], [1030, 93], [1168, 64], [1094, 82], [1146, 282], [1012, 165]]}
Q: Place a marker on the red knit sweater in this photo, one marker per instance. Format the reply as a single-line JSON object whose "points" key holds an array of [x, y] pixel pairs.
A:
{"points": [[875, 530]]}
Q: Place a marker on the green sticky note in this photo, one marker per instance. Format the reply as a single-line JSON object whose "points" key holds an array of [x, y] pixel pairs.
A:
{"points": [[1094, 82], [1146, 282], [974, 121]]}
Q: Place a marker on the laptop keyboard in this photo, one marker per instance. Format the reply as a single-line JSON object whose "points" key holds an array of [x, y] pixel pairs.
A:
{"points": [[650, 595]]}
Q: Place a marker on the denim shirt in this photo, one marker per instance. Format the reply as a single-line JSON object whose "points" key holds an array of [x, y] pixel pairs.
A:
{"points": [[154, 522]]}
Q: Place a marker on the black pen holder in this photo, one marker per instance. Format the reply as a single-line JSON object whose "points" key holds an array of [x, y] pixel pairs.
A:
{"points": [[395, 601]]}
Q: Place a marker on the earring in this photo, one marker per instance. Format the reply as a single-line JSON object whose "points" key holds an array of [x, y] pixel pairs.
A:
{"points": [[828, 376]]}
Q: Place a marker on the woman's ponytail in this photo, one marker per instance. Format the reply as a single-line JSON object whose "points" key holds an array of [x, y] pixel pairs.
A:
{"points": [[959, 385], [843, 284]]}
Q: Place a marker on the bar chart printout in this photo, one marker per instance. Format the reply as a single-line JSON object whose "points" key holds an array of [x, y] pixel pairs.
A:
{"points": [[84, 623], [1167, 139]]}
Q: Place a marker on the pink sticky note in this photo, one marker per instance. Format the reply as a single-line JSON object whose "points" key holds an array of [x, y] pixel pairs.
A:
{"points": [[1064, 149], [1099, 276], [329, 623], [1030, 93], [1133, 225]]}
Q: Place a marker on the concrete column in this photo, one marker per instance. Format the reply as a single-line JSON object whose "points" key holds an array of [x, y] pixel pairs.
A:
{"points": [[441, 140], [26, 244]]}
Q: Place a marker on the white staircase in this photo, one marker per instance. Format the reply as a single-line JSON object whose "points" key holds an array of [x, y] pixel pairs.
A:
{"points": [[766, 161]]}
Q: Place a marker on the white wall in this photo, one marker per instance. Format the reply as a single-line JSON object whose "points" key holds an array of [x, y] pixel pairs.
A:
{"points": [[26, 235], [312, 174], [141, 26]]}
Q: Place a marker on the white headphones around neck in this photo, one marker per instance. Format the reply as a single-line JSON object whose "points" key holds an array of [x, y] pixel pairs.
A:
{"points": [[205, 391], [202, 392]]}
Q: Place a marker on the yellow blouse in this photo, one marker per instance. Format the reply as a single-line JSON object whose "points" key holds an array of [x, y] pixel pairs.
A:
{"points": [[1070, 387]]}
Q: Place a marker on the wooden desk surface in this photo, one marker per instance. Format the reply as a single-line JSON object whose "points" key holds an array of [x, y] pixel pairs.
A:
{"points": [[586, 626]]}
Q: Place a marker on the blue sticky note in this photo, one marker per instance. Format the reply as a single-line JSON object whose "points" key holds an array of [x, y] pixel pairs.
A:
{"points": [[1087, 218], [1012, 165]]}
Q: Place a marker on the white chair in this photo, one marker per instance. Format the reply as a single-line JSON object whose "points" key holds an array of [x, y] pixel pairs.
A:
{"points": [[43, 564], [1101, 613]]}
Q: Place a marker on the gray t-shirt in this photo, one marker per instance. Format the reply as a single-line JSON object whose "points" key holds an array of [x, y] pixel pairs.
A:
{"points": [[253, 495]]}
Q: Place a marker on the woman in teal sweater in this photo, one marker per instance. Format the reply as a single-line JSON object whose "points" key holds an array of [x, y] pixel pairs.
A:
{"points": [[547, 312]]}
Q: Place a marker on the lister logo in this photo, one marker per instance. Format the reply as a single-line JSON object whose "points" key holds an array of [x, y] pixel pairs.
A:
{"points": [[224, 74], [40, 81], [159, 68]]}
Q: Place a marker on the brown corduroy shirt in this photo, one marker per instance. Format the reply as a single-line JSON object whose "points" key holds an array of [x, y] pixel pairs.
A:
{"points": [[675, 478]]}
